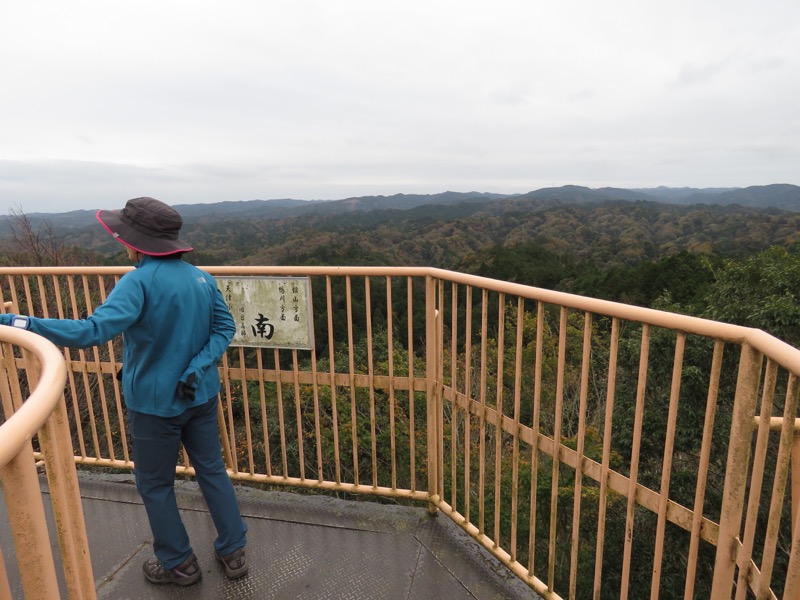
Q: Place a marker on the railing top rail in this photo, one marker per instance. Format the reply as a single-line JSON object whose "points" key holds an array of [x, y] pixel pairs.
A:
{"points": [[85, 270], [30, 417], [781, 352], [232, 270], [651, 316]]}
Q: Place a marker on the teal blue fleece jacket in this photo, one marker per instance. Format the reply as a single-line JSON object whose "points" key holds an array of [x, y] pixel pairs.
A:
{"points": [[173, 321]]}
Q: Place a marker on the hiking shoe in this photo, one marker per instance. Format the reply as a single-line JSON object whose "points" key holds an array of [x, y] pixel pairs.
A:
{"points": [[186, 573], [235, 564]]}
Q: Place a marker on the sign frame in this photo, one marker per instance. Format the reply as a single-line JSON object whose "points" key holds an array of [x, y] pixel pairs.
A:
{"points": [[270, 311]]}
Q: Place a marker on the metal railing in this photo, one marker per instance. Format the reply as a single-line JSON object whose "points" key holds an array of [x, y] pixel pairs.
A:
{"points": [[43, 415], [597, 449]]}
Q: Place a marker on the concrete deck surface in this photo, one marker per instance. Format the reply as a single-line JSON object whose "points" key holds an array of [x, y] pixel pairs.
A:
{"points": [[300, 546]]}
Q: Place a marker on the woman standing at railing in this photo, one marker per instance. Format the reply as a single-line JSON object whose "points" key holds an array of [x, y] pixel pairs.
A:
{"points": [[175, 326]]}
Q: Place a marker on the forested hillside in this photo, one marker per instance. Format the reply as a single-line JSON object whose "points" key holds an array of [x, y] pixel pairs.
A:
{"points": [[726, 262], [608, 234], [641, 251]]}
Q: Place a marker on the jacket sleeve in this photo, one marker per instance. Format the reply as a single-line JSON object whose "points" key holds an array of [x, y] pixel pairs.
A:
{"points": [[223, 329], [121, 309]]}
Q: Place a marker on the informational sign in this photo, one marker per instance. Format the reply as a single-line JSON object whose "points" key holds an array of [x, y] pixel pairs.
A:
{"points": [[270, 312]]}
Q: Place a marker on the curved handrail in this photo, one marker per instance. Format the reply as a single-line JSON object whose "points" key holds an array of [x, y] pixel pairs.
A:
{"points": [[756, 349], [29, 418], [40, 414]]}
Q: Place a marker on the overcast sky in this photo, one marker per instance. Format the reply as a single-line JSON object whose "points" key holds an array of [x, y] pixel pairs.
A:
{"points": [[199, 101]]}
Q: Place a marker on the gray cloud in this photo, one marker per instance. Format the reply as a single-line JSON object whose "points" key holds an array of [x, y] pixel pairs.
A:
{"points": [[328, 100]]}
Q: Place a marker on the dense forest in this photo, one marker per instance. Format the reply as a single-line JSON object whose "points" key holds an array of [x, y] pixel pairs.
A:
{"points": [[730, 262]]}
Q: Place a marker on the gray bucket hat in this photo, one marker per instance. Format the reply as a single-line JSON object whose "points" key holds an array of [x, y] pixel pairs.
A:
{"points": [[147, 225]]}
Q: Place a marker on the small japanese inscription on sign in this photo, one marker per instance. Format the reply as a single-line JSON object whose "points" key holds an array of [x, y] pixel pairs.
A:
{"points": [[270, 312]]}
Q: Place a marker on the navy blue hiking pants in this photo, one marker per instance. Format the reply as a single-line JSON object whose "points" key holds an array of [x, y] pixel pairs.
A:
{"points": [[156, 444]]}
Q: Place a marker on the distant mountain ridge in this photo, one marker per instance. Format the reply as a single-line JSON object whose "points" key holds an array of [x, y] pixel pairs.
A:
{"points": [[785, 197]]}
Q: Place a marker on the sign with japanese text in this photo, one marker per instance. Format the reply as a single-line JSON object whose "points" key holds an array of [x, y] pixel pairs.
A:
{"points": [[270, 312]]}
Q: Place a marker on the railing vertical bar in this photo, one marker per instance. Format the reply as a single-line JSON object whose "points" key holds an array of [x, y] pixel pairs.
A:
{"points": [[14, 297], [185, 455], [515, 439], [99, 378], [101, 284], [5, 586], [246, 406], [795, 490], [371, 378], [10, 391], [66, 501], [231, 457], [29, 525], [536, 420], [439, 395], [301, 456], [633, 476], [101, 388], [85, 380], [276, 358], [559, 411], [740, 441], [576, 503], [482, 419], [431, 389], [791, 589], [412, 417], [498, 430], [315, 396], [666, 465], [85, 375], [352, 379], [76, 413], [223, 434], [123, 436], [332, 361], [454, 387], [317, 418], [756, 480], [26, 286], [73, 388], [702, 473], [264, 412], [779, 485], [468, 396], [42, 296], [611, 387], [390, 358]]}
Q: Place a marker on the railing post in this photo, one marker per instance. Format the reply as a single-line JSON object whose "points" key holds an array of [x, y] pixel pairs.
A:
{"points": [[67, 508], [432, 392], [792, 589], [736, 471], [62, 478], [795, 476], [5, 587], [29, 526], [24, 505]]}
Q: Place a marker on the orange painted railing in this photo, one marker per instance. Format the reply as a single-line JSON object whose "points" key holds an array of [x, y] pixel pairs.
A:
{"points": [[43, 414], [597, 449]]}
